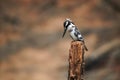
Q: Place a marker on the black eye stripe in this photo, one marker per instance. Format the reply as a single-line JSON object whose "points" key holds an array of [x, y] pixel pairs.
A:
{"points": [[64, 24], [67, 23]]}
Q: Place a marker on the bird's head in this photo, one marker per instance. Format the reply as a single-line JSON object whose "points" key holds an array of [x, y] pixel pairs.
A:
{"points": [[66, 24]]}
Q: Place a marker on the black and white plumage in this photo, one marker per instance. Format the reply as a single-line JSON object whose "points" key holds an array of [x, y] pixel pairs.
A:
{"points": [[73, 31]]}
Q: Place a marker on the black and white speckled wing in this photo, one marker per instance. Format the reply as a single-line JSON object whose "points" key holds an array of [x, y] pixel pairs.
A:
{"points": [[78, 35], [80, 38]]}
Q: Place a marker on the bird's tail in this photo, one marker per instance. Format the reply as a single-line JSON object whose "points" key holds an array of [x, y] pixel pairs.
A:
{"points": [[85, 47]]}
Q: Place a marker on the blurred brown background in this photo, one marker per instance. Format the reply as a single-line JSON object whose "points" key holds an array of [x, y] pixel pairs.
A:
{"points": [[31, 44]]}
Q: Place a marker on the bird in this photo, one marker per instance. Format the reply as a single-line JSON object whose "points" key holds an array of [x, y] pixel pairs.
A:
{"points": [[73, 31]]}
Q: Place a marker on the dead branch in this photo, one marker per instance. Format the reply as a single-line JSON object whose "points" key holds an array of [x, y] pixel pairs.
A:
{"points": [[76, 61]]}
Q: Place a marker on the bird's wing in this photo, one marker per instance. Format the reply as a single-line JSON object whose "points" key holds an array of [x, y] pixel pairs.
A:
{"points": [[78, 34], [80, 38]]}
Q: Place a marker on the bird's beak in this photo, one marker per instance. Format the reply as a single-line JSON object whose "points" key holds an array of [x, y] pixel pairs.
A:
{"points": [[64, 32]]}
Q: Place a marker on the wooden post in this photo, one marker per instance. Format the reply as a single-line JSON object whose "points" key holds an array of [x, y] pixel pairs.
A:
{"points": [[76, 61]]}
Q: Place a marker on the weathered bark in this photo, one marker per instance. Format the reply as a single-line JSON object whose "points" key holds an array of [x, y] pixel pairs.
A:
{"points": [[76, 61]]}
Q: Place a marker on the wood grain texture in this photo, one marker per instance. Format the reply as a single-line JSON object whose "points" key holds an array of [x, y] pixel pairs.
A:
{"points": [[76, 61]]}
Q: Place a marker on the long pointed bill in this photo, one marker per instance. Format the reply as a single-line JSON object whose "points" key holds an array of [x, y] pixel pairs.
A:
{"points": [[64, 33]]}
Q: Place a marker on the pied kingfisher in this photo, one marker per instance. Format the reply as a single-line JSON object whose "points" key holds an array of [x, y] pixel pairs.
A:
{"points": [[73, 31]]}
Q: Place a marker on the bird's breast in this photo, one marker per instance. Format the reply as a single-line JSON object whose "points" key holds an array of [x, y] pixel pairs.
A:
{"points": [[73, 35]]}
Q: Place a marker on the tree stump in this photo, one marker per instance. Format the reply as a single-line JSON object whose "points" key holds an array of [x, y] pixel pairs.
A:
{"points": [[76, 61]]}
